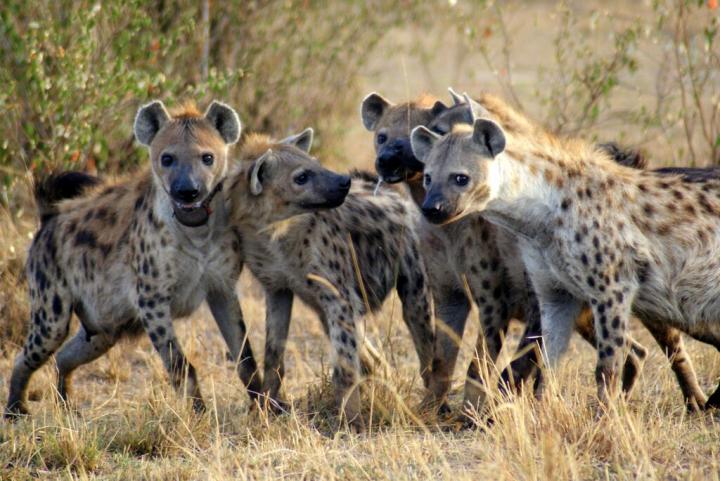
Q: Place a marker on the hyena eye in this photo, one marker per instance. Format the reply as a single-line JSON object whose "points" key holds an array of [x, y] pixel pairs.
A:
{"points": [[301, 178], [461, 179], [381, 139], [427, 179], [167, 160], [208, 159]]}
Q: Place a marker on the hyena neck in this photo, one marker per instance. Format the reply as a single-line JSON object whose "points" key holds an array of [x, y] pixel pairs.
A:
{"points": [[523, 200], [416, 189]]}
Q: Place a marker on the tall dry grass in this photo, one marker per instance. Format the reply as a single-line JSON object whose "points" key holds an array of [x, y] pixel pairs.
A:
{"points": [[129, 424]]}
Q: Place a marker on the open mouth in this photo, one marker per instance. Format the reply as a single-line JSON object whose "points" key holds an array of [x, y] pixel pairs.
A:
{"points": [[191, 214], [391, 177]]}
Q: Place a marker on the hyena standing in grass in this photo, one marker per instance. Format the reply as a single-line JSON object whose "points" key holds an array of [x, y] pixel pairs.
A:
{"points": [[133, 255], [470, 254], [591, 232], [340, 249], [464, 111]]}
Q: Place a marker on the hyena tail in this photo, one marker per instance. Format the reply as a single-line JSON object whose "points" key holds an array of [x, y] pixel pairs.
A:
{"points": [[623, 155], [59, 186]]}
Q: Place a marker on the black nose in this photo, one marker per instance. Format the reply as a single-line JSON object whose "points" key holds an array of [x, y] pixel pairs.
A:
{"points": [[435, 210], [185, 191]]}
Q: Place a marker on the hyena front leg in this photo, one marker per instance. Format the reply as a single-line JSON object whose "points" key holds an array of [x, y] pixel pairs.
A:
{"points": [[278, 307], [635, 357], [156, 320], [81, 349], [529, 361], [452, 308], [415, 298], [345, 361], [228, 315], [611, 318], [491, 299]]}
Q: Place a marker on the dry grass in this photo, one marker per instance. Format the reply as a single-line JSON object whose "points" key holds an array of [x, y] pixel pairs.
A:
{"points": [[128, 423]]}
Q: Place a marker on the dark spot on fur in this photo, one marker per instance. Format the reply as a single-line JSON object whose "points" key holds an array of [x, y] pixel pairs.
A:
{"points": [[57, 305]]}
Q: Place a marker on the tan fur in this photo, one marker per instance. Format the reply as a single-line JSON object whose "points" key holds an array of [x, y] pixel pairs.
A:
{"points": [[342, 262], [118, 258], [583, 222]]}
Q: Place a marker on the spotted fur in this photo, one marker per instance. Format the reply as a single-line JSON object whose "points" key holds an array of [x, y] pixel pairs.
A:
{"points": [[119, 259], [592, 232], [342, 262]]}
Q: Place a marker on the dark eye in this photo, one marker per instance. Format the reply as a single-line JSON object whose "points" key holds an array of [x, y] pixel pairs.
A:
{"points": [[461, 179], [438, 130], [208, 159], [301, 178], [427, 179], [167, 160], [381, 139]]}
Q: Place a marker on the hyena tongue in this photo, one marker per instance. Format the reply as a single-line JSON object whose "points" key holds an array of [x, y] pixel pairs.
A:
{"points": [[192, 218]]}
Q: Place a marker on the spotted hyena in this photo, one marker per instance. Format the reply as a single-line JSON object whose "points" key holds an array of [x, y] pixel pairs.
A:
{"points": [[133, 255], [464, 111], [591, 232], [471, 255], [324, 237]]}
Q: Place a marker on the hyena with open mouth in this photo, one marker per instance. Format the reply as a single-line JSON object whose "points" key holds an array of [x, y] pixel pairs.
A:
{"points": [[133, 255]]}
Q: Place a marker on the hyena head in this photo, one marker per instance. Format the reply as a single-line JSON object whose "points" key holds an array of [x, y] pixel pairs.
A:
{"points": [[456, 168], [284, 180], [391, 124], [188, 153]]}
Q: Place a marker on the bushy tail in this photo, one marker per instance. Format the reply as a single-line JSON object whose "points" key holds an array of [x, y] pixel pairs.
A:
{"points": [[56, 187], [624, 156]]}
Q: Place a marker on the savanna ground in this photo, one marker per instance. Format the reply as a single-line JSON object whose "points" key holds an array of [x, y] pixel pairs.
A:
{"points": [[72, 75]]}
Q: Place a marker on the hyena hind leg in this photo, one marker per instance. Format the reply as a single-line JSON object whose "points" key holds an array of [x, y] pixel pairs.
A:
{"points": [[81, 349], [49, 327]]}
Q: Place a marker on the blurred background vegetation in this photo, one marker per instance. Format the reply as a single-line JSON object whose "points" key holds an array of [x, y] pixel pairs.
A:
{"points": [[72, 74]]}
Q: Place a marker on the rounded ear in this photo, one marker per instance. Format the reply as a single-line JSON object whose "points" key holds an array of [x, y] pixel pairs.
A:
{"points": [[438, 108], [422, 140], [225, 120], [372, 109], [149, 120], [456, 97], [488, 136], [256, 173], [302, 141]]}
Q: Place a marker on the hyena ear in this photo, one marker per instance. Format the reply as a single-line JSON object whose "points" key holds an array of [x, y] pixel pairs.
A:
{"points": [[372, 109], [475, 110], [302, 141], [422, 140], [456, 97], [438, 108], [225, 120], [149, 120], [257, 172], [488, 136]]}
